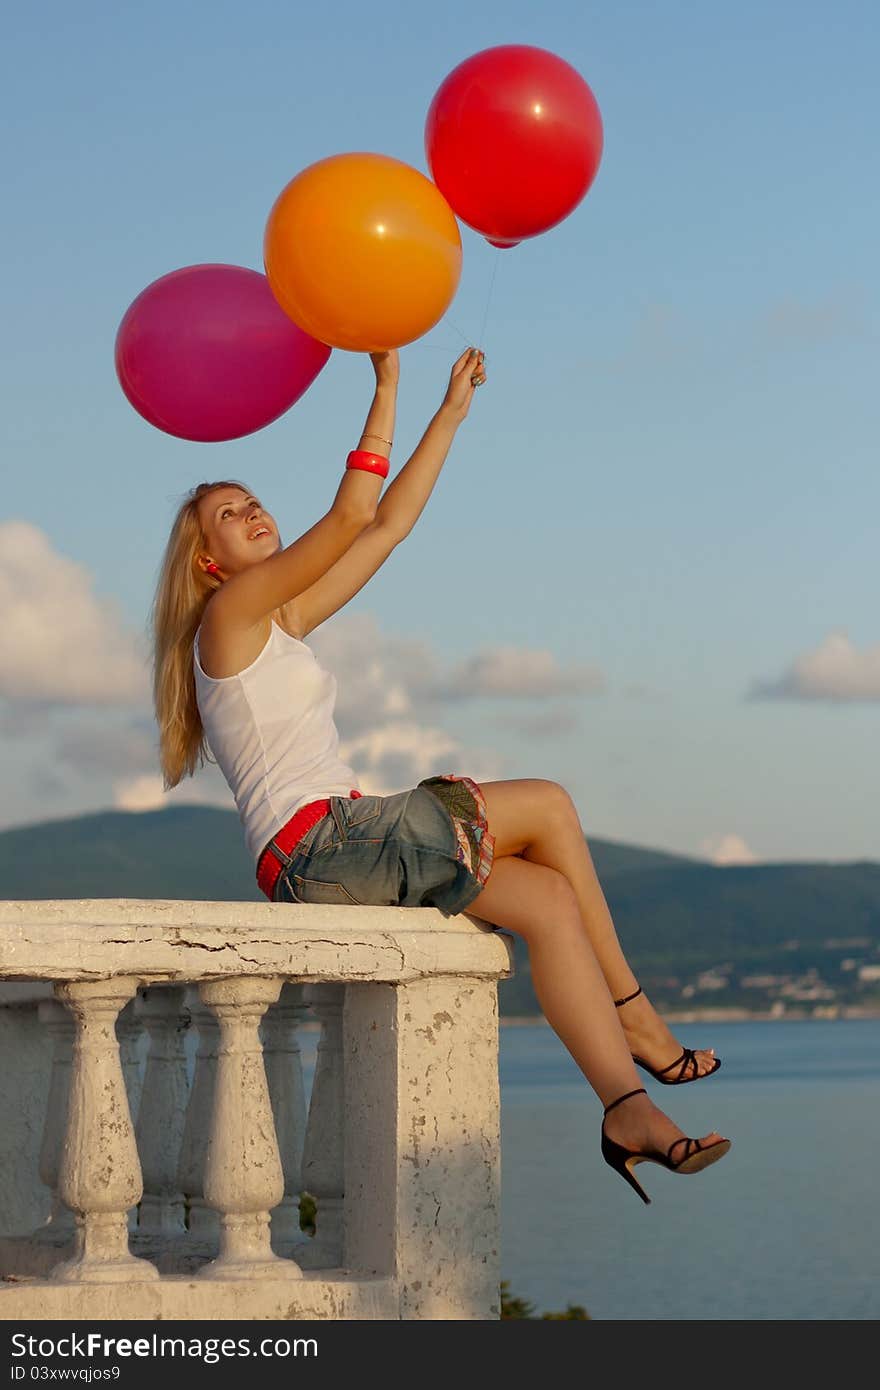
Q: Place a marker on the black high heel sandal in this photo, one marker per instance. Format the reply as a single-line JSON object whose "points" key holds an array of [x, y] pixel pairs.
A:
{"points": [[687, 1064], [624, 1160]]}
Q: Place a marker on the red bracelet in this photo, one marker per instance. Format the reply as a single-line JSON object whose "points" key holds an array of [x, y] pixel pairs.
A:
{"points": [[370, 463]]}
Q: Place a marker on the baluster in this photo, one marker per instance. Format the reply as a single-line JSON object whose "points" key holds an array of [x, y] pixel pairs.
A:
{"points": [[129, 1031], [243, 1176], [203, 1220], [284, 1074], [58, 1022], [100, 1175], [162, 1112], [323, 1160]]}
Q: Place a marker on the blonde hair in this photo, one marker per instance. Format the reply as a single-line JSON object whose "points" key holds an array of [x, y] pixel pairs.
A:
{"points": [[182, 593]]}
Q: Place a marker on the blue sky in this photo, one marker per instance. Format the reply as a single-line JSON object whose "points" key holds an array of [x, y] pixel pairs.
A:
{"points": [[647, 570]]}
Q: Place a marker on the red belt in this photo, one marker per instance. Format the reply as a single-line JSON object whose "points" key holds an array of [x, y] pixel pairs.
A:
{"points": [[269, 864]]}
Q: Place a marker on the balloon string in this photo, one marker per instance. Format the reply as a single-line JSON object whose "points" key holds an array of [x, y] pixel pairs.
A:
{"points": [[481, 344], [453, 324], [478, 342]]}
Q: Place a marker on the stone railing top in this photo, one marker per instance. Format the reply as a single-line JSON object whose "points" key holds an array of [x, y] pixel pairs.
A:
{"points": [[165, 939]]}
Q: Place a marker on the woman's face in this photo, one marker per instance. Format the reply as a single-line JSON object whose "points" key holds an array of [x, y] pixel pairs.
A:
{"points": [[238, 531]]}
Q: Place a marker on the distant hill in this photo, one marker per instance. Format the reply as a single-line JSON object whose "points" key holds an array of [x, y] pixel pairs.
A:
{"points": [[700, 928], [193, 852], [611, 858], [678, 919]]}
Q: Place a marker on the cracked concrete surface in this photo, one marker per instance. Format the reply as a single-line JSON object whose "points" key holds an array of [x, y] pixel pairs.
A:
{"points": [[421, 1115], [79, 939]]}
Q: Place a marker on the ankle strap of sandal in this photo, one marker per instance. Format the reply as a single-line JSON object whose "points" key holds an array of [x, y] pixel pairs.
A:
{"points": [[640, 1092], [618, 1002]]}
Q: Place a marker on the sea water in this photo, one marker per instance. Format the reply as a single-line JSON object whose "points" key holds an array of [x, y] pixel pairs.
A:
{"points": [[785, 1227]]}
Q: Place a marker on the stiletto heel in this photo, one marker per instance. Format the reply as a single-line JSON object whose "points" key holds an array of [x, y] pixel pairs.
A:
{"points": [[622, 1160], [688, 1067]]}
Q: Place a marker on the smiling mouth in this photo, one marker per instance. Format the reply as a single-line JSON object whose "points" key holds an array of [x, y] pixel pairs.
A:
{"points": [[260, 531]]}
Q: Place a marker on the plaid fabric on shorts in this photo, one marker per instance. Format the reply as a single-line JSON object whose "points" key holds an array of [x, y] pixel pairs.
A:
{"points": [[466, 805]]}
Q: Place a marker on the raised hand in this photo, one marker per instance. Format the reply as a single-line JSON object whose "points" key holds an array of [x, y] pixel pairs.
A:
{"points": [[468, 372], [386, 366]]}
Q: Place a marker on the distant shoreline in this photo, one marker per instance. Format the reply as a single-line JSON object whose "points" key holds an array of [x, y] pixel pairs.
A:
{"points": [[725, 1016], [692, 1016]]}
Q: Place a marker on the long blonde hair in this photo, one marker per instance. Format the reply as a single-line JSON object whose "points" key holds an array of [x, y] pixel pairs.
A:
{"points": [[182, 593]]}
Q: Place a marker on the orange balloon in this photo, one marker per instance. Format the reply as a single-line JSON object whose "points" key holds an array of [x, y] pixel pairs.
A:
{"points": [[362, 252]]}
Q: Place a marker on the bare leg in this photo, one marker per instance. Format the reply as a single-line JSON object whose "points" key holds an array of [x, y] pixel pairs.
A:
{"points": [[537, 820], [539, 903]]}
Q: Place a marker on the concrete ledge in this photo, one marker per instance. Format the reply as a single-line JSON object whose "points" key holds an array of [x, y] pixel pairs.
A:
{"points": [[314, 1296], [154, 940]]}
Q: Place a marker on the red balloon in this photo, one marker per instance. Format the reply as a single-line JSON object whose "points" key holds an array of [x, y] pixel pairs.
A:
{"points": [[513, 140], [206, 353]]}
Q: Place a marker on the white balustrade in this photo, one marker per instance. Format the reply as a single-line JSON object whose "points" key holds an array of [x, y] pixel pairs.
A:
{"points": [[100, 1175], [399, 1145], [202, 1223], [129, 1031], [323, 1161], [58, 1022], [284, 1073], [243, 1175], [162, 1113]]}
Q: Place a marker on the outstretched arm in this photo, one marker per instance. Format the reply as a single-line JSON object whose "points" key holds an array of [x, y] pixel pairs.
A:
{"points": [[404, 499], [247, 597], [378, 434], [400, 507]]}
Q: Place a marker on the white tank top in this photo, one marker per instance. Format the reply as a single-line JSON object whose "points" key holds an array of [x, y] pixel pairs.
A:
{"points": [[270, 728]]}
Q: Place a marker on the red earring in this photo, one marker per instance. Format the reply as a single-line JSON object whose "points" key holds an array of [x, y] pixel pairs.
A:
{"points": [[212, 568]]}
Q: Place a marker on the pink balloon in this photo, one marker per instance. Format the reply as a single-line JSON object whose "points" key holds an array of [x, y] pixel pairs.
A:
{"points": [[206, 353]]}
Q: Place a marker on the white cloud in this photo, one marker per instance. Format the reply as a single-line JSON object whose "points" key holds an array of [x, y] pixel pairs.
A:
{"points": [[385, 760], [59, 643], [379, 677], [399, 755], [393, 695], [140, 794], [521, 673], [836, 671], [145, 792], [385, 678], [728, 849]]}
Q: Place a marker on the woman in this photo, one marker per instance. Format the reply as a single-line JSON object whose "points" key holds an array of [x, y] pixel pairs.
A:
{"points": [[233, 675]]}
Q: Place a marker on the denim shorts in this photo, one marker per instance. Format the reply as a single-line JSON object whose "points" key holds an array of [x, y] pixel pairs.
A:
{"points": [[426, 847]]}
